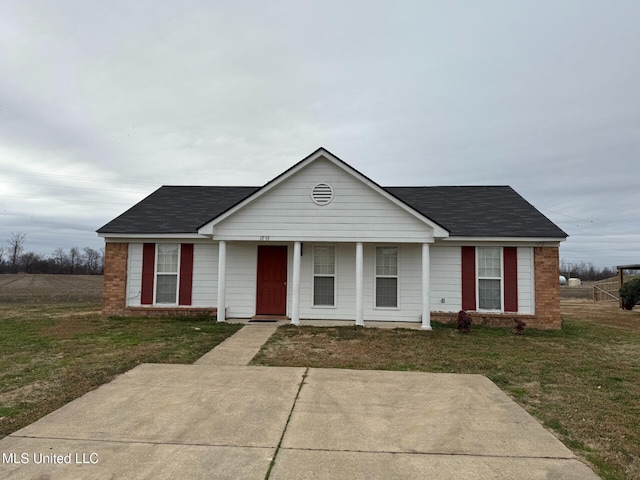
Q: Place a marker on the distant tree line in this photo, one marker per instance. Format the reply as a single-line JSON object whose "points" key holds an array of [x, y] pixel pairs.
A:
{"points": [[586, 271], [14, 259]]}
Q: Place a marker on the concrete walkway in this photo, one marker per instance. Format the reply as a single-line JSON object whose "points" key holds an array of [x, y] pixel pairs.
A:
{"points": [[242, 346], [227, 422]]}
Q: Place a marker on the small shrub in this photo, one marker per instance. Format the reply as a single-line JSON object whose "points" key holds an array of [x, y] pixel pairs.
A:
{"points": [[519, 328], [463, 322], [630, 293]]}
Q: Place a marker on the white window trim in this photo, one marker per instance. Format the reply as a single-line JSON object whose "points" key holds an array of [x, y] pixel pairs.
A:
{"points": [[478, 278], [335, 276], [376, 276], [156, 274]]}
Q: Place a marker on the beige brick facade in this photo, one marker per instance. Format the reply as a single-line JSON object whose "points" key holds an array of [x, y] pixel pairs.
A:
{"points": [[547, 266], [114, 291]]}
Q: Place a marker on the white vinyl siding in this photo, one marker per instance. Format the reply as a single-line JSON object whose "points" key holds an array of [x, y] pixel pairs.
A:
{"points": [[345, 290], [446, 279], [241, 280], [324, 275], [205, 274], [134, 277], [287, 212], [204, 290], [409, 285], [242, 264], [526, 281]]}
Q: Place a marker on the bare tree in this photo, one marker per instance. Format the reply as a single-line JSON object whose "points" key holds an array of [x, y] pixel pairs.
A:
{"points": [[74, 258], [92, 260], [29, 261], [60, 259], [16, 246]]}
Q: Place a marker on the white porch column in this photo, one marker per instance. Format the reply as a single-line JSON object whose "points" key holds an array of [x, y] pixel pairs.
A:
{"points": [[426, 288], [359, 285], [222, 280], [295, 300]]}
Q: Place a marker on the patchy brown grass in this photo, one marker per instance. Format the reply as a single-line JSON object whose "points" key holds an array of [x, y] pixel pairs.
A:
{"points": [[55, 345], [582, 382]]}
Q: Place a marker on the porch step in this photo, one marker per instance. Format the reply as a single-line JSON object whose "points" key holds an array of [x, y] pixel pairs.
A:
{"points": [[268, 318]]}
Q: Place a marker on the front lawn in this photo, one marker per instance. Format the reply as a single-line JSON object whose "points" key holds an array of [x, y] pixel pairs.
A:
{"points": [[52, 353], [583, 382]]}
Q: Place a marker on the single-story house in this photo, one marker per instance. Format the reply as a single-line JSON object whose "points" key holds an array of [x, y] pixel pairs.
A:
{"points": [[323, 241]]}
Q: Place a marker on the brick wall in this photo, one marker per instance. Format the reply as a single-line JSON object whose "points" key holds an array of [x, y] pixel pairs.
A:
{"points": [[547, 298], [114, 291], [169, 312], [547, 265]]}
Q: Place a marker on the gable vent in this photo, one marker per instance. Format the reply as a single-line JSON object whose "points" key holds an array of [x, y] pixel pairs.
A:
{"points": [[322, 194]]}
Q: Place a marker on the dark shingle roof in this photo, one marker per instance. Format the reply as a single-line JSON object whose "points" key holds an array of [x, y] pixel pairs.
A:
{"points": [[177, 209], [479, 211], [463, 211]]}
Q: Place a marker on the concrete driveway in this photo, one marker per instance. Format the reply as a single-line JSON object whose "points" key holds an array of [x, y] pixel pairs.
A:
{"points": [[215, 422]]}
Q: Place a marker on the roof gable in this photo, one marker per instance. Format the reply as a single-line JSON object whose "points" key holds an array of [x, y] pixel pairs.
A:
{"points": [[322, 154]]}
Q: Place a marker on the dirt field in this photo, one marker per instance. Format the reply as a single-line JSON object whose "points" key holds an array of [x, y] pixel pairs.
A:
{"points": [[39, 289], [583, 291]]}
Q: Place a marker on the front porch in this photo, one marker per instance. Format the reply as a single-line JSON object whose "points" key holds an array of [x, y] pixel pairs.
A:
{"points": [[349, 284], [333, 323]]}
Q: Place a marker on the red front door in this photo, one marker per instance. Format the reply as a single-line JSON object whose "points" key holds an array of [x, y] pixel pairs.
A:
{"points": [[272, 280]]}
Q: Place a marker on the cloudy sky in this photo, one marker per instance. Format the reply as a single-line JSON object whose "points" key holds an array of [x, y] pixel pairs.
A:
{"points": [[102, 102]]}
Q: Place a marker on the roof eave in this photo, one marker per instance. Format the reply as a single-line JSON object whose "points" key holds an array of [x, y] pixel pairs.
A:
{"points": [[189, 235], [461, 238]]}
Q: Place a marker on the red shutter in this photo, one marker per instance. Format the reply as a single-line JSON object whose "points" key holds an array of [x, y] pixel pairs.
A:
{"points": [[468, 278], [186, 273], [510, 255], [148, 274]]}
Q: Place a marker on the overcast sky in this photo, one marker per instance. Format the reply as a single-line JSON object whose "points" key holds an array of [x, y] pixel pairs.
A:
{"points": [[103, 102]]}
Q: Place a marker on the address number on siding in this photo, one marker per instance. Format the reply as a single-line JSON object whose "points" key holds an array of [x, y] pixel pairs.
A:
{"points": [[264, 238]]}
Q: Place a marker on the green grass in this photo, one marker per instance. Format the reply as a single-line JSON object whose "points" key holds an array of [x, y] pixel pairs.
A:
{"points": [[52, 353], [582, 383]]}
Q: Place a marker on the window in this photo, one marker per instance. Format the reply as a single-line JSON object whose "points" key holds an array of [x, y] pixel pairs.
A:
{"points": [[167, 273], [387, 277], [324, 275], [489, 278]]}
